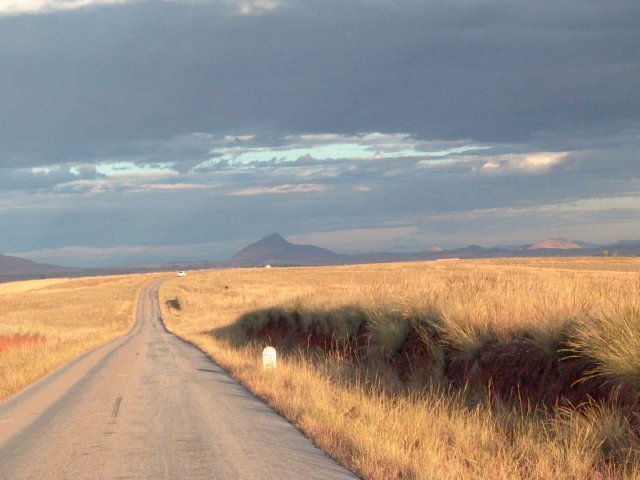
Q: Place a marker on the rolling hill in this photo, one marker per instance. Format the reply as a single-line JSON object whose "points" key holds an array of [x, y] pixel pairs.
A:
{"points": [[16, 268]]}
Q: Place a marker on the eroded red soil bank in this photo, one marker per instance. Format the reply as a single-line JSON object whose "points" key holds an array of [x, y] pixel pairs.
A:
{"points": [[519, 370]]}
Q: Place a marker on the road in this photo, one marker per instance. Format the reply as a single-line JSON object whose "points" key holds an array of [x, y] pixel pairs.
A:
{"points": [[150, 406]]}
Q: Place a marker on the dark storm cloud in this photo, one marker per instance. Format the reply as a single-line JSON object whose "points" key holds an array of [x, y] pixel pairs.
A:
{"points": [[87, 81]]}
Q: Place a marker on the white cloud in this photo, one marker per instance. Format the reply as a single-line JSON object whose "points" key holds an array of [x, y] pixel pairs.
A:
{"points": [[280, 189], [172, 187], [34, 7], [25, 7], [254, 7], [491, 166], [238, 138], [130, 182], [535, 162], [245, 151], [239, 7], [543, 160]]}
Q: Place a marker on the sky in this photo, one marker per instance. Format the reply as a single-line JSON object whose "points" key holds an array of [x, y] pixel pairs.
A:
{"points": [[141, 131]]}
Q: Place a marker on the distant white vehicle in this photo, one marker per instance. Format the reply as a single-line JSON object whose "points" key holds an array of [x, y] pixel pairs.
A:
{"points": [[267, 266], [182, 274]]}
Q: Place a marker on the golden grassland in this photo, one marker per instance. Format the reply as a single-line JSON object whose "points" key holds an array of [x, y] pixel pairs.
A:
{"points": [[27, 285], [46, 323], [422, 427]]}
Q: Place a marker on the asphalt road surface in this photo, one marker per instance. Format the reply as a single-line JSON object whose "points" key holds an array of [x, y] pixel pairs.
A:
{"points": [[150, 406]]}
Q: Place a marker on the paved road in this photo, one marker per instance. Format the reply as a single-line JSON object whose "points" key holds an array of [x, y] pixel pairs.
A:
{"points": [[150, 406]]}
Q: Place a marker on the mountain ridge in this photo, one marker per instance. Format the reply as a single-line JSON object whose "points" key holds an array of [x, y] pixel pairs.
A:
{"points": [[274, 249]]}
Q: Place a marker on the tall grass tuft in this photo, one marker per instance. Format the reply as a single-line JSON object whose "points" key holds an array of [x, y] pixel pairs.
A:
{"points": [[610, 335]]}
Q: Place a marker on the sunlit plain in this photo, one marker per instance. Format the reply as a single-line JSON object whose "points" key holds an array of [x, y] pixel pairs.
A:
{"points": [[382, 431]]}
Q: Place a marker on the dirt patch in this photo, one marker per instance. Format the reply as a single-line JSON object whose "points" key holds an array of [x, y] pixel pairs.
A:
{"points": [[416, 360], [522, 371], [579, 384], [279, 332], [519, 370]]}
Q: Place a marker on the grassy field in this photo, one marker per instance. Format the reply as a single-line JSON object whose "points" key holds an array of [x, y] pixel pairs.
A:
{"points": [[518, 368], [46, 323]]}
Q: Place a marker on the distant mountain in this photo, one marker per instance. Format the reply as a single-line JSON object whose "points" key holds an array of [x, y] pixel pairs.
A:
{"points": [[510, 246], [627, 242], [275, 250], [589, 244], [555, 244], [15, 268], [625, 248]]}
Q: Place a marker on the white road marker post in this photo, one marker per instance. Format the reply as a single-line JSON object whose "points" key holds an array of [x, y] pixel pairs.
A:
{"points": [[269, 358]]}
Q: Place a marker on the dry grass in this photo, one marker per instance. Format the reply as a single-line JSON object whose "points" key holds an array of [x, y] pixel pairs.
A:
{"points": [[383, 430], [27, 285], [20, 341], [46, 323], [611, 334]]}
